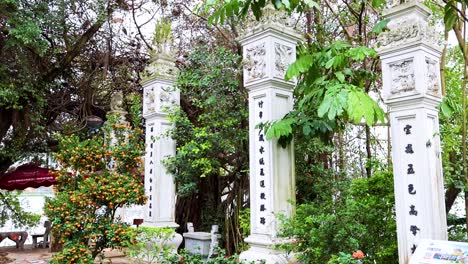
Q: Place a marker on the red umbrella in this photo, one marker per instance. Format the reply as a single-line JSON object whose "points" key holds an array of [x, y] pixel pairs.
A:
{"points": [[28, 175]]}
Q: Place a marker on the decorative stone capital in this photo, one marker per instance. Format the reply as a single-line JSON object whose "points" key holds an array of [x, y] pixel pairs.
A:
{"points": [[162, 62], [160, 67], [410, 57], [269, 47], [408, 27], [159, 96], [271, 18]]}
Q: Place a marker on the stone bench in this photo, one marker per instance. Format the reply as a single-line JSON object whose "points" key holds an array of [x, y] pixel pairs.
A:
{"points": [[45, 237], [19, 237]]}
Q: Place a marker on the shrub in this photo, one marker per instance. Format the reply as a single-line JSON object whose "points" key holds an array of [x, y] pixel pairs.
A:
{"points": [[360, 217], [96, 179]]}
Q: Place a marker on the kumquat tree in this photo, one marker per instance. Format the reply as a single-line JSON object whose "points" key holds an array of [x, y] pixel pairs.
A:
{"points": [[100, 173]]}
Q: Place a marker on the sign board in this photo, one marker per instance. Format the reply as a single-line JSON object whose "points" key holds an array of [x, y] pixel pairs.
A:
{"points": [[440, 252]]}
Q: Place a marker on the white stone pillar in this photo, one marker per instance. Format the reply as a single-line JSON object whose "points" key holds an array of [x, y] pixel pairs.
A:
{"points": [[159, 96], [411, 88], [268, 49]]}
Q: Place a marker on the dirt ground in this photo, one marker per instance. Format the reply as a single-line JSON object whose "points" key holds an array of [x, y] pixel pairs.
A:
{"points": [[42, 256]]}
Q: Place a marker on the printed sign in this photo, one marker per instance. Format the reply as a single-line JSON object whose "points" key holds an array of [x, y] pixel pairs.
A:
{"points": [[438, 252]]}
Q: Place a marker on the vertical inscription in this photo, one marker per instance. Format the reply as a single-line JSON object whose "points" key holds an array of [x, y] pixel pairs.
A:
{"points": [[410, 172], [262, 152], [150, 175]]}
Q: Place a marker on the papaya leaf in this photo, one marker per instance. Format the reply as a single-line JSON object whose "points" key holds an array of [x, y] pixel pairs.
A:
{"points": [[280, 128], [450, 15], [340, 76], [380, 26], [445, 108], [330, 63]]}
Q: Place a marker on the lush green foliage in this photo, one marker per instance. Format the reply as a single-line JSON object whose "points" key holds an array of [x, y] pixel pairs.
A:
{"points": [[211, 133], [151, 246], [10, 209], [347, 216], [100, 173], [59, 62], [329, 88], [450, 131]]}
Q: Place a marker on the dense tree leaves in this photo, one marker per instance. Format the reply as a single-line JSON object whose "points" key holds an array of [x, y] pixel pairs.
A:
{"points": [[211, 132], [358, 217], [60, 61], [100, 174]]}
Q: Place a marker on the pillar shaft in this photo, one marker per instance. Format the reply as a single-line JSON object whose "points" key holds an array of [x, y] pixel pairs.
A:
{"points": [[159, 97], [411, 88], [268, 50]]}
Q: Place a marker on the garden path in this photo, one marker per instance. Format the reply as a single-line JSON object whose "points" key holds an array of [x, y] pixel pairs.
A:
{"points": [[42, 256]]}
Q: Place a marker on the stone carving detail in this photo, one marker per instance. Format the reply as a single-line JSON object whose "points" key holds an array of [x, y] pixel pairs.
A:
{"points": [[432, 77], [402, 74], [407, 30], [166, 98], [255, 64], [160, 67], [159, 99], [149, 100], [283, 57], [117, 102], [270, 16]]}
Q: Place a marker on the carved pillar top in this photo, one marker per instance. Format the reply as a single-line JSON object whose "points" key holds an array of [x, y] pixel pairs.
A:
{"points": [[271, 18], [410, 55], [159, 93], [408, 26], [161, 64], [269, 47]]}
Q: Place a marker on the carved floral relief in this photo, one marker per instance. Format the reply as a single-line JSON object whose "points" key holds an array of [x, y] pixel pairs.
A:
{"points": [[432, 77], [255, 65], [406, 30], [283, 57], [402, 76], [149, 100], [160, 67], [166, 98]]}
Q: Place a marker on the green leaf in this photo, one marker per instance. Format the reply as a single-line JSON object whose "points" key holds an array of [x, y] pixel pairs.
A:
{"points": [[450, 16], [278, 4], [340, 76], [281, 128], [445, 108], [312, 4], [301, 65], [324, 106], [361, 105], [306, 129], [378, 3], [329, 63], [380, 26]]}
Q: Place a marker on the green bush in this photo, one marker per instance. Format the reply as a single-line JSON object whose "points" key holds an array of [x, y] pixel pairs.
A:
{"points": [[151, 246], [359, 217]]}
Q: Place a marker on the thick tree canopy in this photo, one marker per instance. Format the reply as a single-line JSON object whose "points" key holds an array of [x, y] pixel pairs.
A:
{"points": [[59, 60]]}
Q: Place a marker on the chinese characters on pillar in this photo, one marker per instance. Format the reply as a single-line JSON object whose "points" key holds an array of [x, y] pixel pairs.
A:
{"points": [[262, 167], [410, 171], [150, 169]]}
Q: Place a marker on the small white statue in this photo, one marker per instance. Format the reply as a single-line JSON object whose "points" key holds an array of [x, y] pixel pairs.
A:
{"points": [[190, 227], [117, 102]]}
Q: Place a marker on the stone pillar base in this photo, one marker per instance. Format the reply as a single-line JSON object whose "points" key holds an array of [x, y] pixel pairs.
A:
{"points": [[263, 255], [261, 252], [174, 242]]}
